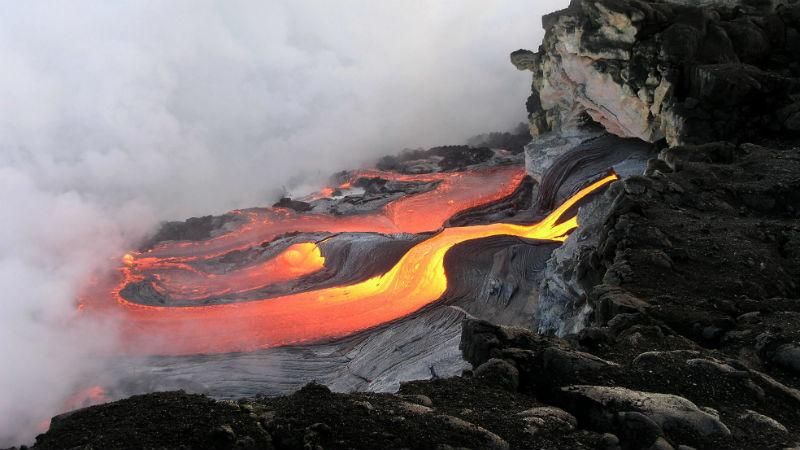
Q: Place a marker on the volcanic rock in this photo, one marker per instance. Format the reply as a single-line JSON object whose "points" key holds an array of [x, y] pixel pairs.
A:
{"points": [[654, 70], [669, 412], [564, 363], [788, 357], [296, 205], [193, 229], [499, 372], [548, 417], [448, 158], [761, 419]]}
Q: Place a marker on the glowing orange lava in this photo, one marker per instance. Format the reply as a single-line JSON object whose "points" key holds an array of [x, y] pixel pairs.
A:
{"points": [[169, 265], [412, 214], [181, 281], [415, 281], [93, 395]]}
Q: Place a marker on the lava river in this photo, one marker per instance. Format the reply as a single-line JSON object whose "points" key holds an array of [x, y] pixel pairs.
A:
{"points": [[416, 280]]}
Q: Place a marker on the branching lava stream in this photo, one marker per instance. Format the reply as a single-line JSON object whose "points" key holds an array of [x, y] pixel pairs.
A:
{"points": [[415, 281], [171, 267]]}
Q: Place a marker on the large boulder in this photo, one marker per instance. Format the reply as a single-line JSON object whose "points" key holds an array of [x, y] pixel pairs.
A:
{"points": [[610, 408]]}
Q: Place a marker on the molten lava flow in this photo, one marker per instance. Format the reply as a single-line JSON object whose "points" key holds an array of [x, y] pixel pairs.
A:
{"points": [[169, 266], [181, 281], [415, 281], [84, 398], [412, 214]]}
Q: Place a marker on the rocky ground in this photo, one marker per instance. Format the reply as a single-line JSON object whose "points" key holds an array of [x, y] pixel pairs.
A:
{"points": [[693, 342]]}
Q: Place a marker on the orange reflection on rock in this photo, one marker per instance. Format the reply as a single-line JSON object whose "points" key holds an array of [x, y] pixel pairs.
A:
{"points": [[93, 395]]}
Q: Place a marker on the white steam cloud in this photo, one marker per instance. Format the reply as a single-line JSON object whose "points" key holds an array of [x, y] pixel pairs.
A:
{"points": [[116, 115]]}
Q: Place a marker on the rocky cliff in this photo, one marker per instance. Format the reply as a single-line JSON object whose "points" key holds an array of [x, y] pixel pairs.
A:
{"points": [[686, 72], [666, 72]]}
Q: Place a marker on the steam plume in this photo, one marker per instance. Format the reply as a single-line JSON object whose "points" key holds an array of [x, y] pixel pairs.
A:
{"points": [[115, 116]]}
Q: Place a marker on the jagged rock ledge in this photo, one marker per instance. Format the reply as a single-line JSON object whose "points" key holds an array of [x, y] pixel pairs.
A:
{"points": [[687, 72]]}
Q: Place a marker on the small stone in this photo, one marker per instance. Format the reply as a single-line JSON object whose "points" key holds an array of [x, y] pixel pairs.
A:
{"points": [[767, 422], [245, 443], [571, 362], [266, 417], [609, 442], [223, 436], [246, 407], [594, 337], [637, 426], [793, 122], [415, 408], [751, 317], [524, 60], [554, 417], [661, 444], [712, 333], [314, 388], [635, 186], [419, 399], [364, 404], [499, 372], [787, 356], [230, 404], [490, 440], [320, 428]]}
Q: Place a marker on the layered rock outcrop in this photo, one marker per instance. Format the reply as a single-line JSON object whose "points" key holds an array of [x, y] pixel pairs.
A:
{"points": [[682, 71]]}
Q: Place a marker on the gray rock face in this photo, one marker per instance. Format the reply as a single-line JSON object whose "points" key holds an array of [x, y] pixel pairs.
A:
{"points": [[563, 306], [765, 421], [665, 69], [669, 412], [560, 164], [548, 419], [563, 294]]}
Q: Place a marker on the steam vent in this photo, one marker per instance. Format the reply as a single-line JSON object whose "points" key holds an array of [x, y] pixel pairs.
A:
{"points": [[623, 272]]}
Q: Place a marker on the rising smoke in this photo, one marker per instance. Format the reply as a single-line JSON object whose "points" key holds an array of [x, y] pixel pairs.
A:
{"points": [[114, 116]]}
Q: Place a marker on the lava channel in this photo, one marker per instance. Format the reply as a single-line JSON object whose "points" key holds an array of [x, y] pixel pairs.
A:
{"points": [[415, 281], [169, 266], [428, 211]]}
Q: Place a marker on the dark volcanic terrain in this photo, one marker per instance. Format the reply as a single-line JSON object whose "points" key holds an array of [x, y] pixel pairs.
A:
{"points": [[692, 342], [670, 319]]}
